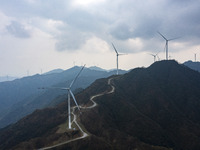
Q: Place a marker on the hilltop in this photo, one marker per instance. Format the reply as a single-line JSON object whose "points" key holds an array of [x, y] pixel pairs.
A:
{"points": [[151, 108], [54, 71]]}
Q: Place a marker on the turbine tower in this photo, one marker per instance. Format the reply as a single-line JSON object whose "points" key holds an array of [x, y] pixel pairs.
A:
{"points": [[73, 97], [70, 94], [166, 45], [117, 57]]}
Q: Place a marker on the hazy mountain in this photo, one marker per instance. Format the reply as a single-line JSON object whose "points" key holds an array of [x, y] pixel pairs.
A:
{"points": [[7, 78], [151, 108], [54, 71], [97, 68], [193, 65], [21, 97]]}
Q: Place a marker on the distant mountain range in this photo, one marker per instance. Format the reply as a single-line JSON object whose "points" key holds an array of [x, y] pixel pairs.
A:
{"points": [[20, 97], [7, 78], [154, 108], [193, 65], [97, 68], [54, 71]]}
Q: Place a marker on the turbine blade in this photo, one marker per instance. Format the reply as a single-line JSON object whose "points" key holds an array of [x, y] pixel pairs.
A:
{"points": [[122, 54], [76, 77], [151, 54], [162, 36], [174, 38], [60, 88], [74, 98], [158, 57], [115, 49]]}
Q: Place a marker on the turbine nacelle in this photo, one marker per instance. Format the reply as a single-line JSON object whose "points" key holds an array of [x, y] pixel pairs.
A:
{"points": [[121, 54]]}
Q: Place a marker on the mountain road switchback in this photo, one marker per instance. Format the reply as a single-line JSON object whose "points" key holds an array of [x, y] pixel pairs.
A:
{"points": [[84, 134]]}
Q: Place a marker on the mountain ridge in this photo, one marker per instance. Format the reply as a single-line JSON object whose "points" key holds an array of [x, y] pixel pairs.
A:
{"points": [[53, 71], [193, 65], [21, 96], [151, 108]]}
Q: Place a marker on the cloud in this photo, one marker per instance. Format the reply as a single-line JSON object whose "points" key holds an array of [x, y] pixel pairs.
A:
{"points": [[66, 30], [18, 30], [118, 21], [122, 32], [71, 40]]}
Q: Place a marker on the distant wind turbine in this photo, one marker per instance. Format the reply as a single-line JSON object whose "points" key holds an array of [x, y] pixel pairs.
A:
{"points": [[166, 45], [154, 56], [70, 94], [195, 57], [117, 57]]}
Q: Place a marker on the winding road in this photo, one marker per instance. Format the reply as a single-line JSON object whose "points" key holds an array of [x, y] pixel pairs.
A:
{"points": [[84, 134]]}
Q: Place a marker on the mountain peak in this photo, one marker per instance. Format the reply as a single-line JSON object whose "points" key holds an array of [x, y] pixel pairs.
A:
{"points": [[164, 63], [96, 68], [54, 71]]}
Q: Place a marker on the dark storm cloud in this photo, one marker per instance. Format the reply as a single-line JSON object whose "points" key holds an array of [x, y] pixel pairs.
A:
{"points": [[71, 40], [122, 32], [18, 30], [35, 8], [82, 20], [182, 17]]}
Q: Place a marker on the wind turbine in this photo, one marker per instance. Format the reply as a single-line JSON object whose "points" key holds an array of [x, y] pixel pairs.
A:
{"points": [[195, 57], [154, 56], [166, 45], [117, 56], [70, 94]]}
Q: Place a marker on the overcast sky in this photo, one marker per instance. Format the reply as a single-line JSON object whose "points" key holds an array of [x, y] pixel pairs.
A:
{"points": [[41, 35]]}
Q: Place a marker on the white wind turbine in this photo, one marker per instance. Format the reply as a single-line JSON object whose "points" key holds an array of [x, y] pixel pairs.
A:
{"points": [[195, 57], [69, 95], [166, 45], [117, 56], [154, 56]]}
